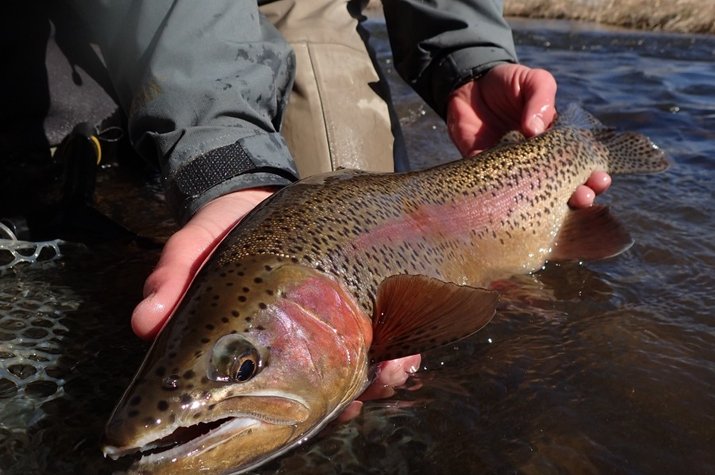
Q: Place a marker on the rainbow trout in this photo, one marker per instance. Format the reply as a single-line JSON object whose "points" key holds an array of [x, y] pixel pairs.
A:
{"points": [[276, 335]]}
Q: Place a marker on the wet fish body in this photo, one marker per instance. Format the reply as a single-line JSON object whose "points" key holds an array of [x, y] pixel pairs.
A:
{"points": [[336, 272]]}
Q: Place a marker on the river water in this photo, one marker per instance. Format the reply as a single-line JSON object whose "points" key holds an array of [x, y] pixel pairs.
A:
{"points": [[604, 367]]}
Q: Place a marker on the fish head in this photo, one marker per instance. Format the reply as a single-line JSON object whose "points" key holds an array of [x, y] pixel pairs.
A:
{"points": [[258, 357]]}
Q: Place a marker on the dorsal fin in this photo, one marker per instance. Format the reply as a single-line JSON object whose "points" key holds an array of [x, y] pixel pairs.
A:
{"points": [[414, 313], [590, 234], [574, 116]]}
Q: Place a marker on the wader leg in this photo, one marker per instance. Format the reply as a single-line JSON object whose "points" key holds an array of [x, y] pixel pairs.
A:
{"points": [[338, 113]]}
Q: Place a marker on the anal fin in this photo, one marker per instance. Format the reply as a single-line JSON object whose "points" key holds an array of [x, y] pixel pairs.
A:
{"points": [[414, 313], [590, 234]]}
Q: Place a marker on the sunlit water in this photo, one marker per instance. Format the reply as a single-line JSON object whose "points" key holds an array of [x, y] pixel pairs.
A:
{"points": [[604, 367]]}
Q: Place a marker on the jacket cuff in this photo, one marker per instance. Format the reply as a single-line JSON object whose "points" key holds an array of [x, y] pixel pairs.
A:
{"points": [[255, 161]]}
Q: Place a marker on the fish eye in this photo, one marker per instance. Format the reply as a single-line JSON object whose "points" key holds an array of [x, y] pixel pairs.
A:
{"points": [[234, 359]]}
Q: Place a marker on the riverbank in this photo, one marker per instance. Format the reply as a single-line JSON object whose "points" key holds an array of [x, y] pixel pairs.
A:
{"points": [[682, 16]]}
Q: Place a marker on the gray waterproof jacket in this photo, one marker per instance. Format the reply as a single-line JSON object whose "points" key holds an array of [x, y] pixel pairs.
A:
{"points": [[205, 84]]}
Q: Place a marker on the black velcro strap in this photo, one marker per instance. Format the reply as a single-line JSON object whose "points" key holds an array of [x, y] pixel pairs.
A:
{"points": [[210, 169]]}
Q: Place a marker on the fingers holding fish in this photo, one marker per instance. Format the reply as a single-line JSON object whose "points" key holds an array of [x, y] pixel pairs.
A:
{"points": [[599, 182], [585, 194], [508, 97], [390, 375]]}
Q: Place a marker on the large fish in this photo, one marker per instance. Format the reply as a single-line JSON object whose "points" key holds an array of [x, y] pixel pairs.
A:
{"points": [[276, 335]]}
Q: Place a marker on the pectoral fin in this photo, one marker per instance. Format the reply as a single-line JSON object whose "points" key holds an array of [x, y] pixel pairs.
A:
{"points": [[590, 234], [414, 313]]}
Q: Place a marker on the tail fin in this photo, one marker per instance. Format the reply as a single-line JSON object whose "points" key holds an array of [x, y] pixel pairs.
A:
{"points": [[631, 152]]}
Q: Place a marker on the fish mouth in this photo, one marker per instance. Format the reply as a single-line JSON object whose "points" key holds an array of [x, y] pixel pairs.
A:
{"points": [[188, 440]]}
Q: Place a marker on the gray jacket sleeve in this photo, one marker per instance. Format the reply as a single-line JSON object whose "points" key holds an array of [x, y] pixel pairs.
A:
{"points": [[204, 85], [439, 45]]}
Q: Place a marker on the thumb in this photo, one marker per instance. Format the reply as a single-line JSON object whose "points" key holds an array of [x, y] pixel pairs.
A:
{"points": [[539, 95]]}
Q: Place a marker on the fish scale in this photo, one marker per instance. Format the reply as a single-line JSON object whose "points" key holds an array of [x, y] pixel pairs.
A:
{"points": [[275, 336]]}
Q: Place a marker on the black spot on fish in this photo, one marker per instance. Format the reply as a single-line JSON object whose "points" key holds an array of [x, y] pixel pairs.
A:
{"points": [[262, 306], [209, 326], [135, 400], [133, 413], [242, 298], [185, 399], [162, 405], [189, 374], [235, 313], [205, 340], [258, 280]]}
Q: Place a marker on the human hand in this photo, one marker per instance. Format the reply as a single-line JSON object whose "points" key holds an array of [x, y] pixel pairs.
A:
{"points": [[389, 375], [183, 255], [510, 97]]}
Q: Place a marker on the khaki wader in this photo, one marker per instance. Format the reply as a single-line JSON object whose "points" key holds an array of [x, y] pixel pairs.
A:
{"points": [[338, 115]]}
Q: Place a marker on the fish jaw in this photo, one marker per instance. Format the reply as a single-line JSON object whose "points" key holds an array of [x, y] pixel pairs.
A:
{"points": [[313, 343]]}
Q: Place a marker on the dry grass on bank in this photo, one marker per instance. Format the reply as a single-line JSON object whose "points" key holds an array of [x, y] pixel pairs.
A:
{"points": [[687, 16]]}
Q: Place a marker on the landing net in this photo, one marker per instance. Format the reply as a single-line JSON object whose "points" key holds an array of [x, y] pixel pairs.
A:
{"points": [[14, 251]]}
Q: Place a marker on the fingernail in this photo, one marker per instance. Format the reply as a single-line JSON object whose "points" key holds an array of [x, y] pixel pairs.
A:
{"points": [[536, 124]]}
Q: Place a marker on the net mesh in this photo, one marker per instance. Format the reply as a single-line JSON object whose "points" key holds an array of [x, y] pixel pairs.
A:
{"points": [[14, 251]]}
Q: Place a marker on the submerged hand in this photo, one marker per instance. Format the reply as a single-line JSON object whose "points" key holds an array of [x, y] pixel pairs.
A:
{"points": [[510, 97], [390, 374]]}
